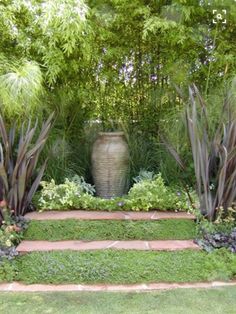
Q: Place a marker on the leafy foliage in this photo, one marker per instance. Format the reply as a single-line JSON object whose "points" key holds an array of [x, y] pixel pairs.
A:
{"points": [[144, 175], [218, 234], [18, 162], [86, 187], [154, 194], [62, 25], [217, 240], [20, 87], [144, 195], [214, 158], [214, 155], [7, 239], [63, 195], [110, 59], [11, 233]]}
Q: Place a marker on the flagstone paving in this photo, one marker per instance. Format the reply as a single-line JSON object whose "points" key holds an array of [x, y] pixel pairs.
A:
{"points": [[104, 215], [160, 245]]}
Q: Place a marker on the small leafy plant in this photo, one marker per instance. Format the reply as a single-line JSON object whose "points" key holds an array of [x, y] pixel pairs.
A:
{"points": [[11, 233], [63, 195], [86, 187], [145, 195], [9, 236], [218, 234], [152, 193], [144, 175]]}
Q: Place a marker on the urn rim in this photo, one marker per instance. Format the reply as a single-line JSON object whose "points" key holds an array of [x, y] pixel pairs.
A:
{"points": [[120, 133]]}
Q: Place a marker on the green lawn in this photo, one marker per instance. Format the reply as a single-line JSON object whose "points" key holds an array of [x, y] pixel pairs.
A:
{"points": [[181, 229], [111, 266], [191, 301]]}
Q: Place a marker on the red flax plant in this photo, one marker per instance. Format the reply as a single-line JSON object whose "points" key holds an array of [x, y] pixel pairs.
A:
{"points": [[214, 154], [18, 161]]}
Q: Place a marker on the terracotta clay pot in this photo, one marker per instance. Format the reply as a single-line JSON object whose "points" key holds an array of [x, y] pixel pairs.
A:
{"points": [[110, 164]]}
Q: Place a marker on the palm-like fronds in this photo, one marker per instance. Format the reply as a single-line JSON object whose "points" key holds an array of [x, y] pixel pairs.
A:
{"points": [[16, 172], [21, 86]]}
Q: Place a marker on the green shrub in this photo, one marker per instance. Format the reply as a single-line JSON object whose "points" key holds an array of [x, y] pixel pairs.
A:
{"points": [[153, 194], [58, 196], [65, 195]]}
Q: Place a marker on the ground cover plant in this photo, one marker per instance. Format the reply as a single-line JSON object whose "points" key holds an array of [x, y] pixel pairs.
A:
{"points": [[217, 234], [215, 300], [70, 229], [111, 266]]}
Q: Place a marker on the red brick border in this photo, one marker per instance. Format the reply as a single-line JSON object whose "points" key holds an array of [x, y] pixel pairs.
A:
{"points": [[159, 245], [97, 215]]}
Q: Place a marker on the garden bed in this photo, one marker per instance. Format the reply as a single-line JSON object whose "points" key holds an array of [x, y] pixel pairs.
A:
{"points": [[145, 195]]}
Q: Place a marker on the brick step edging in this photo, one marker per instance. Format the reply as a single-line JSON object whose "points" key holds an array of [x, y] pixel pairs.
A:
{"points": [[105, 215], [159, 245], [21, 287]]}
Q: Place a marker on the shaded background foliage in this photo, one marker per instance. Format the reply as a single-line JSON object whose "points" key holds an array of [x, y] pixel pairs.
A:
{"points": [[113, 60]]}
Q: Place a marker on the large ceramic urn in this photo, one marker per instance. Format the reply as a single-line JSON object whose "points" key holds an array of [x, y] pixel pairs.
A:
{"points": [[110, 164]]}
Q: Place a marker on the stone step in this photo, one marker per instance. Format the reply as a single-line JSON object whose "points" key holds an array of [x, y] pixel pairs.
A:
{"points": [[20, 287], [104, 215], [160, 245]]}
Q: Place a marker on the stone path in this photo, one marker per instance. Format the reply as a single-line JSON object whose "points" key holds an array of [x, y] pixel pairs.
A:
{"points": [[20, 287], [104, 215], [160, 245]]}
